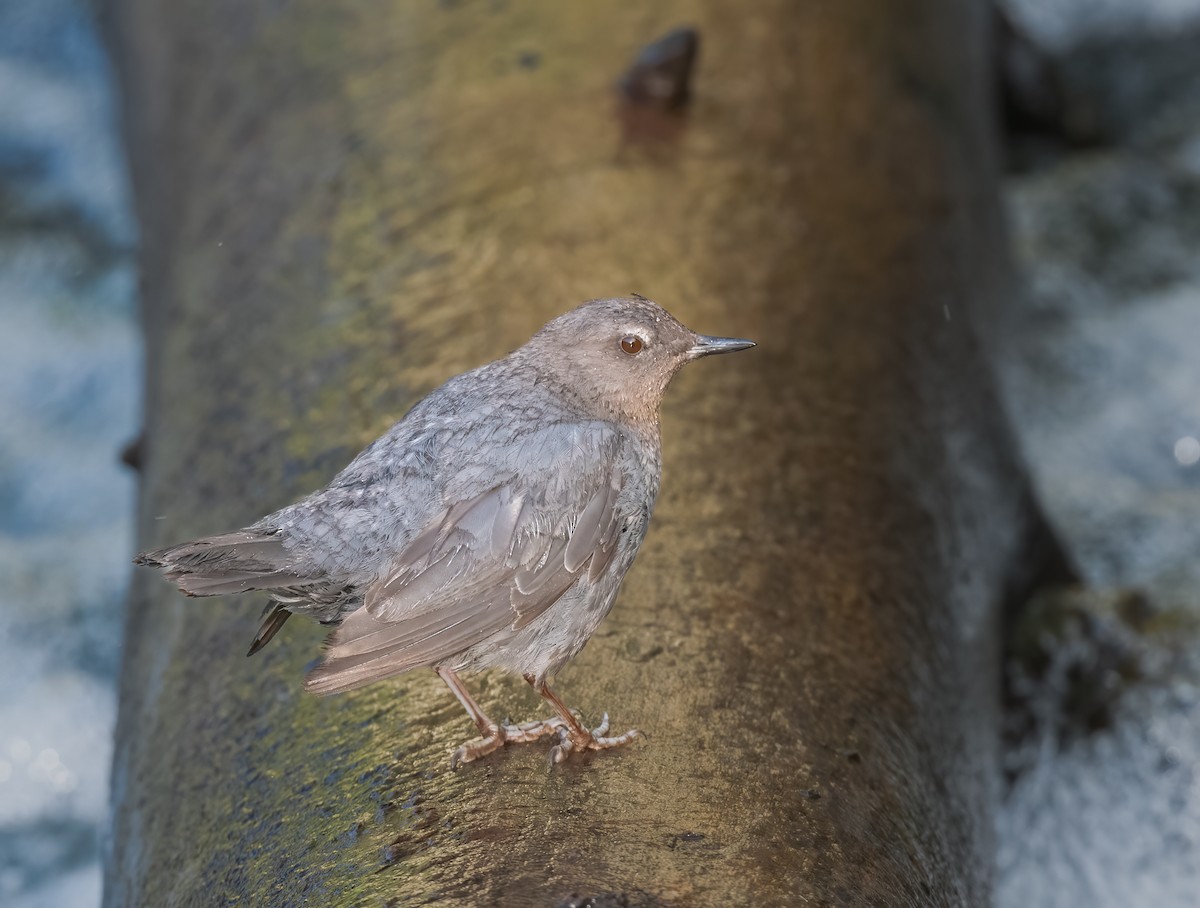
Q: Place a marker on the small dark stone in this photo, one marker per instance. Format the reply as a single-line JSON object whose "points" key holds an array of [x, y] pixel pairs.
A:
{"points": [[605, 900], [661, 74], [131, 454], [633, 899], [1030, 85]]}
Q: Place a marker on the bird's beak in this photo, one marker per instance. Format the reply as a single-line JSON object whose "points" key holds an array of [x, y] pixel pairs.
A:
{"points": [[707, 346]]}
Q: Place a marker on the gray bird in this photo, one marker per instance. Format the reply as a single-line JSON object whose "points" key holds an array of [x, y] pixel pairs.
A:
{"points": [[490, 528]]}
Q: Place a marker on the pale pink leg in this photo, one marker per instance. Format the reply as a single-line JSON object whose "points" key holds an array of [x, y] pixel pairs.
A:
{"points": [[493, 735], [572, 735]]}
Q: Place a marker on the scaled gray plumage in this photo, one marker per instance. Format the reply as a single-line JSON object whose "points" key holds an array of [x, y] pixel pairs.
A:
{"points": [[491, 527]]}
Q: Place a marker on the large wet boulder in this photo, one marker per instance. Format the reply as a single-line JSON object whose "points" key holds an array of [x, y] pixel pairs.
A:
{"points": [[343, 205]]}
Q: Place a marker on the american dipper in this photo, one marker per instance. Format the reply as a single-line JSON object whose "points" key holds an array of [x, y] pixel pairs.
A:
{"points": [[490, 528]]}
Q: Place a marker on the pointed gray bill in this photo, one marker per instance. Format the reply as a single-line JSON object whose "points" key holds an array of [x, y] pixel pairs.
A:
{"points": [[707, 346]]}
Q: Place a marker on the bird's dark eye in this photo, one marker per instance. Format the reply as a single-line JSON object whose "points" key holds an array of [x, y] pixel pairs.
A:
{"points": [[631, 344]]}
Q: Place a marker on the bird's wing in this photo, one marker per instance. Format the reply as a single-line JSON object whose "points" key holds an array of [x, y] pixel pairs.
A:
{"points": [[496, 559]]}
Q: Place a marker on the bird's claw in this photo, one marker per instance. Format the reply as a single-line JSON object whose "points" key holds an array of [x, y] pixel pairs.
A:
{"points": [[570, 741], [522, 733]]}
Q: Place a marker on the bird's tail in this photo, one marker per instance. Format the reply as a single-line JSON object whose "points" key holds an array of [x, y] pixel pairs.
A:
{"points": [[232, 563]]}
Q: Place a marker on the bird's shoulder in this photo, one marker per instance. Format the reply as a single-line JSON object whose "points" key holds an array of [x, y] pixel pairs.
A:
{"points": [[483, 430], [493, 421]]}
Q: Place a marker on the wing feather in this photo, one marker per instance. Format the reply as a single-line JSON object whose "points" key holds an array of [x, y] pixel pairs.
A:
{"points": [[497, 559], [588, 531]]}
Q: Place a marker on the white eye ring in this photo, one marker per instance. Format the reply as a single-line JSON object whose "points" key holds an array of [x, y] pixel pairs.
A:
{"points": [[632, 344]]}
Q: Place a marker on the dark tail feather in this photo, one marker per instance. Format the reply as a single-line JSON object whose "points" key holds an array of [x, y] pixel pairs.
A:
{"points": [[237, 563], [270, 626], [230, 563]]}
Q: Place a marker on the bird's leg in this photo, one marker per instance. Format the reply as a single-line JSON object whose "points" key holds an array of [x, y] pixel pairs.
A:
{"points": [[572, 734], [493, 735]]}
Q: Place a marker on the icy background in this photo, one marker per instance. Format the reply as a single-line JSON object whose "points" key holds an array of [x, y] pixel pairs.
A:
{"points": [[69, 392], [1104, 384], [1060, 25]]}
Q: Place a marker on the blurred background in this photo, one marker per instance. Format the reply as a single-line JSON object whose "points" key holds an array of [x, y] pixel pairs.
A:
{"points": [[1100, 371], [70, 378]]}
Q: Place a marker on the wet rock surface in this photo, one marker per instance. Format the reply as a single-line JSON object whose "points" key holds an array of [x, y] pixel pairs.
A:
{"points": [[839, 517]]}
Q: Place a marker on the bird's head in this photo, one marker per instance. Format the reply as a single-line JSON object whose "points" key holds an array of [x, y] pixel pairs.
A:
{"points": [[620, 354]]}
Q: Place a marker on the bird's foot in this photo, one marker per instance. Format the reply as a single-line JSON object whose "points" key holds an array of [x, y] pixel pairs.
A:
{"points": [[506, 734], [579, 738]]}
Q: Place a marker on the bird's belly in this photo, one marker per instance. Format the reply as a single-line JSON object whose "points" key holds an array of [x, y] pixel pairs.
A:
{"points": [[548, 642]]}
